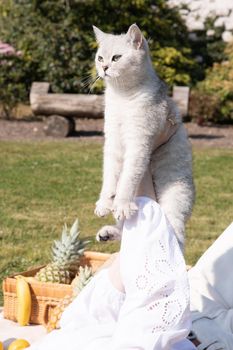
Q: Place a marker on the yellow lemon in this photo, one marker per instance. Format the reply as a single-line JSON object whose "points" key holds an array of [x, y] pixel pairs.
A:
{"points": [[1, 346], [19, 344]]}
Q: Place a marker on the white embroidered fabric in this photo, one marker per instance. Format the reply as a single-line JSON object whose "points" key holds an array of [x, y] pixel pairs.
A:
{"points": [[152, 314], [154, 275]]}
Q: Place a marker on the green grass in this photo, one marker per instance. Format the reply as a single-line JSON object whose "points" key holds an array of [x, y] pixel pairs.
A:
{"points": [[44, 184], [213, 169]]}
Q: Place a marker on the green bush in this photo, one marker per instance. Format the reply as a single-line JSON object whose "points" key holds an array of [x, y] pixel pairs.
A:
{"points": [[58, 45], [12, 87], [203, 107], [213, 97]]}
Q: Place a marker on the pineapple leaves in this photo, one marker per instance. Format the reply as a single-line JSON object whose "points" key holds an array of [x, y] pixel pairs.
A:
{"points": [[66, 254], [74, 227]]}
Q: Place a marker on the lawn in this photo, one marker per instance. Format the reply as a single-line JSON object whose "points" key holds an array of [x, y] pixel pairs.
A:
{"points": [[44, 184]]}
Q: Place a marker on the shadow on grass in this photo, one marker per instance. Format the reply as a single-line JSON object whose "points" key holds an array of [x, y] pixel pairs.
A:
{"points": [[205, 136], [86, 133]]}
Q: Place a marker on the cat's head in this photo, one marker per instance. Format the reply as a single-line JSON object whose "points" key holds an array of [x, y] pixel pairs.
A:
{"points": [[120, 57]]}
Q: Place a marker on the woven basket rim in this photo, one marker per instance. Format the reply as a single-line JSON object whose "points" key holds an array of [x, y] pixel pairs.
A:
{"points": [[88, 254]]}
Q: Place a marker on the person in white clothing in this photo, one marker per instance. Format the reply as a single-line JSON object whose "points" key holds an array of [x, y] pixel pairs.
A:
{"points": [[139, 302], [211, 282]]}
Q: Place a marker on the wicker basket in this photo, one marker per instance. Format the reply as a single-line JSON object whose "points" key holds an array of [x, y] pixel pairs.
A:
{"points": [[45, 296]]}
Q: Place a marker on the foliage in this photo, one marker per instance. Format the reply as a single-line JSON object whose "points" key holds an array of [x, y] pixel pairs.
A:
{"points": [[58, 45], [215, 45], [203, 107], [206, 50], [45, 183], [12, 88], [206, 41], [207, 45], [213, 98], [171, 65]]}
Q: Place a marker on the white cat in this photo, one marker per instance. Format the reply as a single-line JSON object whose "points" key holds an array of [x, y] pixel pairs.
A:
{"points": [[137, 110]]}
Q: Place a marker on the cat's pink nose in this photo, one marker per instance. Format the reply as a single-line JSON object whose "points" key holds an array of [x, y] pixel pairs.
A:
{"points": [[105, 68]]}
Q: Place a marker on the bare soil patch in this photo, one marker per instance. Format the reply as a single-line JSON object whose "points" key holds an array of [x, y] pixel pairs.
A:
{"points": [[202, 136]]}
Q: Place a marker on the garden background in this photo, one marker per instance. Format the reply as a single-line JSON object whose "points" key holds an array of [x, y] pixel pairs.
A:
{"points": [[46, 182]]}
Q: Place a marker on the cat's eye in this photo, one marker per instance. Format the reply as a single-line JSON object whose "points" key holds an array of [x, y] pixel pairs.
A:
{"points": [[116, 58], [100, 59]]}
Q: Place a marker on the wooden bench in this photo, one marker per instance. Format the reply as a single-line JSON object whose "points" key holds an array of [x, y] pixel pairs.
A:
{"points": [[61, 109]]}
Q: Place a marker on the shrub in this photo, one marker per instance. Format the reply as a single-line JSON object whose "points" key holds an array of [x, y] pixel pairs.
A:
{"points": [[213, 97], [206, 31], [12, 87], [58, 45], [203, 107]]}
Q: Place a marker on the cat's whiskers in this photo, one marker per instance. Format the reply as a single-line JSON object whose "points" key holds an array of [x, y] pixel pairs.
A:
{"points": [[85, 77], [92, 85], [86, 80], [88, 83]]}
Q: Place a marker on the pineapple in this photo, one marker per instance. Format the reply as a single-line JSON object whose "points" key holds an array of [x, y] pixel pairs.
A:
{"points": [[54, 273], [56, 312], [83, 277], [66, 253]]}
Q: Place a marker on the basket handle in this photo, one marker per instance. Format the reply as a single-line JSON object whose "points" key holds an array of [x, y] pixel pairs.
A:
{"points": [[45, 311]]}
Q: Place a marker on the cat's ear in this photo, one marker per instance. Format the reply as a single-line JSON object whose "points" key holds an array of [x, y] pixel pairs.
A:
{"points": [[135, 36], [99, 35]]}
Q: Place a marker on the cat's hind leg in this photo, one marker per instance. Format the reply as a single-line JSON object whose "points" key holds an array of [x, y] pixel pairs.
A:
{"points": [[171, 167], [177, 200], [110, 232]]}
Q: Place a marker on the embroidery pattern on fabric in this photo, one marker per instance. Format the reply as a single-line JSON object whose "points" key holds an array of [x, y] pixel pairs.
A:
{"points": [[167, 308], [141, 282], [171, 308]]}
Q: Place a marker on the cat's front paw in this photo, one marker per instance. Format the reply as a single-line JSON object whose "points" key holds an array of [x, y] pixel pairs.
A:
{"points": [[103, 207], [108, 233], [123, 209]]}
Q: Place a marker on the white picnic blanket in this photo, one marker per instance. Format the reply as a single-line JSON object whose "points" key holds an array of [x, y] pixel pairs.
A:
{"points": [[10, 331]]}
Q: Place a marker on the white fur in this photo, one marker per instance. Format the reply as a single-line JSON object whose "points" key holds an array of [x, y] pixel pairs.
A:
{"points": [[136, 110]]}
